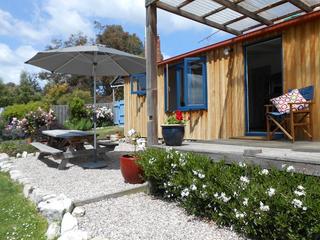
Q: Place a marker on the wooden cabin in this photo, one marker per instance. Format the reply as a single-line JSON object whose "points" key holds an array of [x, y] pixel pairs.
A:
{"points": [[231, 81]]}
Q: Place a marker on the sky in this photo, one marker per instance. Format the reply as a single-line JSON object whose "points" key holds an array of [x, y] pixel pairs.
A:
{"points": [[28, 26]]}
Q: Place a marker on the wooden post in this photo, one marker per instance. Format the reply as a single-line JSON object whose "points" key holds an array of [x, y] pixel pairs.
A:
{"points": [[151, 57]]}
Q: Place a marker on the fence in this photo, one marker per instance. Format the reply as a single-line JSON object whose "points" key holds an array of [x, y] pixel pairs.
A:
{"points": [[62, 111]]}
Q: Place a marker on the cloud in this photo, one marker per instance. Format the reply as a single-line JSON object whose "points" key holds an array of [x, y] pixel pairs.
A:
{"points": [[12, 62]]}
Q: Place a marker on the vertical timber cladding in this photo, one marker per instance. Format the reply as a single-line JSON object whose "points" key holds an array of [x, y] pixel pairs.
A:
{"points": [[301, 46], [225, 116], [135, 111]]}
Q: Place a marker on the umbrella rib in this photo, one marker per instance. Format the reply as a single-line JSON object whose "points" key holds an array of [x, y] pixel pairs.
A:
{"points": [[116, 64], [132, 60], [67, 62]]}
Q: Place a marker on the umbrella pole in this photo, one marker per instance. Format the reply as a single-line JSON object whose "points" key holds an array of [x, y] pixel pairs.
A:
{"points": [[95, 112]]}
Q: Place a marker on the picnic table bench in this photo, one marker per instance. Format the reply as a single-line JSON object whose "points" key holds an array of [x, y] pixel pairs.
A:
{"points": [[66, 144]]}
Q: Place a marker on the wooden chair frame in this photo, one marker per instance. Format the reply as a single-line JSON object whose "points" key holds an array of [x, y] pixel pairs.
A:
{"points": [[288, 123]]}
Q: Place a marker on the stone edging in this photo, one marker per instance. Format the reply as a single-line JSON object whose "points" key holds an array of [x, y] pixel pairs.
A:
{"points": [[56, 209]]}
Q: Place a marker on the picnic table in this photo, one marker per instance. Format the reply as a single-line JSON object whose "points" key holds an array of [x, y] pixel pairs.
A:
{"points": [[65, 144]]}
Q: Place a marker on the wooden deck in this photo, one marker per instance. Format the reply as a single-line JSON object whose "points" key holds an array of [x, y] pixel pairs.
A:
{"points": [[303, 156]]}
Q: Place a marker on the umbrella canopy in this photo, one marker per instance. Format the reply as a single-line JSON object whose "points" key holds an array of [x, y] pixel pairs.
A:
{"points": [[79, 60]]}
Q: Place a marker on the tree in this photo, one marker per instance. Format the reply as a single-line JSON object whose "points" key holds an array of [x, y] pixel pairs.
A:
{"points": [[28, 89], [115, 37], [7, 93]]}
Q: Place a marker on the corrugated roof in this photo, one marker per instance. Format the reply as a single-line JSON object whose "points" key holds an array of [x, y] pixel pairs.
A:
{"points": [[238, 16]]}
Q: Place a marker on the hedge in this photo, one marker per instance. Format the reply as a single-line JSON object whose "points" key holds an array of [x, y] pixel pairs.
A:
{"points": [[259, 203], [20, 110]]}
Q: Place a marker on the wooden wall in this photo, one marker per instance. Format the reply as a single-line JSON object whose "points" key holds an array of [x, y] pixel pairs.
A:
{"points": [[301, 46], [225, 116]]}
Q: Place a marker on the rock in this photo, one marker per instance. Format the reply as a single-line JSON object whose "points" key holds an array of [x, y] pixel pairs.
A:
{"points": [[69, 223], [30, 155], [78, 212], [27, 190], [49, 196], [6, 167], [24, 154], [53, 231], [54, 208], [37, 195], [74, 235], [18, 155], [24, 180], [15, 175], [4, 157]]}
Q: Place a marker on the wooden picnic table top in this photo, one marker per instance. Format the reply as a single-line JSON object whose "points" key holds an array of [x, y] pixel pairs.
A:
{"points": [[66, 134]]}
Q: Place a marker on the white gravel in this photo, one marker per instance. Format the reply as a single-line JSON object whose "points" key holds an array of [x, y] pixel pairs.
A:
{"points": [[75, 182], [140, 216]]}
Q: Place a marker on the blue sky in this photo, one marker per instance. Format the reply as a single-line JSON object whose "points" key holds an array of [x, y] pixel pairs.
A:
{"points": [[27, 26]]}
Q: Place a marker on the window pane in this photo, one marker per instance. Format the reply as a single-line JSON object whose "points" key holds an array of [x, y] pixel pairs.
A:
{"points": [[142, 83], [171, 90], [195, 83]]}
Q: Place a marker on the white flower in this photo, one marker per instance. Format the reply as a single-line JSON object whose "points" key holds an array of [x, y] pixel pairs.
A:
{"points": [[264, 172], [297, 203], [173, 165], [224, 198], [131, 132], [239, 214], [300, 187], [244, 179], [204, 186], [264, 208], [271, 191], [152, 160], [245, 201], [201, 176], [299, 193], [185, 192], [193, 187], [283, 165], [304, 208], [169, 149], [235, 194], [290, 169], [195, 172], [242, 164], [216, 195]]}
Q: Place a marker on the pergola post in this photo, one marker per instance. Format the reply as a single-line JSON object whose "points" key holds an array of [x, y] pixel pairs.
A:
{"points": [[151, 61]]}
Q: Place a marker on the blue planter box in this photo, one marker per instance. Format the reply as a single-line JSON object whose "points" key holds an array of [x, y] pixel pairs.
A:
{"points": [[173, 134]]}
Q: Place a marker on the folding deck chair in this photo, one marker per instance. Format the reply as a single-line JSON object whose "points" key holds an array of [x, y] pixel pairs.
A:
{"points": [[289, 122]]}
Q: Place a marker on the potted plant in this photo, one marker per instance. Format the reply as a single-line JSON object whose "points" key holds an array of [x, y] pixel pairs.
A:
{"points": [[173, 129], [130, 170]]}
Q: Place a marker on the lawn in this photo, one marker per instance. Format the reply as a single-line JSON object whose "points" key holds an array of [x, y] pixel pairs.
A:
{"points": [[106, 131], [18, 216]]}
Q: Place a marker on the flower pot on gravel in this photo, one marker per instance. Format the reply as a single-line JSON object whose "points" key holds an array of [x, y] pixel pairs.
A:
{"points": [[130, 170], [173, 134]]}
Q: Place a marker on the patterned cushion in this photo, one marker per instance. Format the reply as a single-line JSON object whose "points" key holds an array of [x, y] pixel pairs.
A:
{"points": [[281, 103]]}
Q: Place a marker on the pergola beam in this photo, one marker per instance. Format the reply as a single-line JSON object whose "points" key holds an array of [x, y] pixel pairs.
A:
{"points": [[301, 5], [243, 11], [186, 2], [150, 2], [196, 18]]}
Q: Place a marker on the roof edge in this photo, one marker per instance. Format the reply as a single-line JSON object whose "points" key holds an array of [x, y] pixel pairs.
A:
{"points": [[279, 26]]}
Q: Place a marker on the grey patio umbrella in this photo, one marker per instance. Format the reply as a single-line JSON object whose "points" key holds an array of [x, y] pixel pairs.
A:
{"points": [[94, 60]]}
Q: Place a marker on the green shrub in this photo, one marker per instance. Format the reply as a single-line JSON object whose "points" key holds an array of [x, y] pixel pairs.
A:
{"points": [[16, 146], [20, 110], [82, 124], [260, 203]]}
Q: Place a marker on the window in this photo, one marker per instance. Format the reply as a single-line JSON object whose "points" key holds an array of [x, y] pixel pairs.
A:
{"points": [[138, 84], [186, 85]]}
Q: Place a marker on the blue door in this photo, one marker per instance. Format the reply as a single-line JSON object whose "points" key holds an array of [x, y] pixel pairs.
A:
{"points": [[119, 112]]}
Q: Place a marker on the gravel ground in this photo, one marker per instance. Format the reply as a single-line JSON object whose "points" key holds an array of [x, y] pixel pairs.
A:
{"points": [[75, 182], [140, 216]]}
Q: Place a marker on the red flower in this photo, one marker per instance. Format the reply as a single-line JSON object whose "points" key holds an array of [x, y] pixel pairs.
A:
{"points": [[179, 116]]}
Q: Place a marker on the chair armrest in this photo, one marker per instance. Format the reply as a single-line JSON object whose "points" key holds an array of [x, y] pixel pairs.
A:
{"points": [[269, 107], [308, 103]]}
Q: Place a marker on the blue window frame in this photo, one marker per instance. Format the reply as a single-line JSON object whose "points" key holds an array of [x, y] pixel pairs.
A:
{"points": [[138, 84], [186, 85]]}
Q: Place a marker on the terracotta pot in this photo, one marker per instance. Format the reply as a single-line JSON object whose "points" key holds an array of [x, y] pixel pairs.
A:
{"points": [[130, 170], [29, 140]]}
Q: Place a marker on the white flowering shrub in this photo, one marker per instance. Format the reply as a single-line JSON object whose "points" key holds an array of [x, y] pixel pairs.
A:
{"points": [[260, 203]]}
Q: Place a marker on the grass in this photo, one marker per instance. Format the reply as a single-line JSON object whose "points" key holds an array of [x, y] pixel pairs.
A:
{"points": [[12, 147], [18, 216], [106, 131]]}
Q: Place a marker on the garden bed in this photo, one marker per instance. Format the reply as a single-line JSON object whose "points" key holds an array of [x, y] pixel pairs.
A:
{"points": [[260, 203]]}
